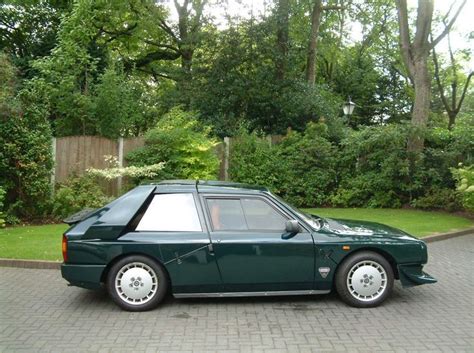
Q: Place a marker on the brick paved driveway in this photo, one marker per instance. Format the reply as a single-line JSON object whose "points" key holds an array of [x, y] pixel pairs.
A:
{"points": [[38, 312]]}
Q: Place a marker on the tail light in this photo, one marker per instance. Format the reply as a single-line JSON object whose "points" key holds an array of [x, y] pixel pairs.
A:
{"points": [[64, 248]]}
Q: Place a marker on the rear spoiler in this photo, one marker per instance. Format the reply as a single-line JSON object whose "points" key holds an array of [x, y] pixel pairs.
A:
{"points": [[79, 216]]}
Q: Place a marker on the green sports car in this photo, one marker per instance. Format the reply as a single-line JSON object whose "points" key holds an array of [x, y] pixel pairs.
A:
{"points": [[219, 239]]}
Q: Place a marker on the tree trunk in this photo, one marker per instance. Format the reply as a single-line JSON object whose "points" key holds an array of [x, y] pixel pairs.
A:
{"points": [[313, 41], [282, 39], [415, 56], [421, 106], [452, 119]]}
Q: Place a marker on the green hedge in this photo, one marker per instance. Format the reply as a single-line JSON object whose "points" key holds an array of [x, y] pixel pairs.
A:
{"points": [[368, 167]]}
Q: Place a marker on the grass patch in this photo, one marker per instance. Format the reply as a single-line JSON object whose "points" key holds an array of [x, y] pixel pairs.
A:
{"points": [[416, 222], [32, 242]]}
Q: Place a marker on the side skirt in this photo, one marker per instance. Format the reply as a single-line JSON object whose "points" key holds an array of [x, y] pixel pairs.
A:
{"points": [[249, 294]]}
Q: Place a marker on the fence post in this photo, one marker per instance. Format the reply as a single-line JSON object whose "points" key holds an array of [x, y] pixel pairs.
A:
{"points": [[53, 170], [120, 162], [226, 158]]}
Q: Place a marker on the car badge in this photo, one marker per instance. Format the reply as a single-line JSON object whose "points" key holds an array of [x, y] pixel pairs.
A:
{"points": [[324, 271]]}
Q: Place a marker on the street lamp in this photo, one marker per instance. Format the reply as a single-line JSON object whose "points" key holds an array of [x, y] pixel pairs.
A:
{"points": [[348, 107]]}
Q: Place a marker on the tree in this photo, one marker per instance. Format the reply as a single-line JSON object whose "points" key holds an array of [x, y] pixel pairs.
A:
{"points": [[183, 144], [28, 30], [82, 83], [453, 105], [25, 147], [415, 53], [316, 14], [282, 38]]}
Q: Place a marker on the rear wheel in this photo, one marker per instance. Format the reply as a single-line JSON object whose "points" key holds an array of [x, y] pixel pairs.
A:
{"points": [[137, 283], [364, 279]]}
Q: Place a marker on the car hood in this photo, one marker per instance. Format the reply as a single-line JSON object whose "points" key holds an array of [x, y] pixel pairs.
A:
{"points": [[361, 228]]}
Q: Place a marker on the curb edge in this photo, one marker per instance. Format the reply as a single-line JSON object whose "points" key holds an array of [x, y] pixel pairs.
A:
{"points": [[36, 264], [444, 236]]}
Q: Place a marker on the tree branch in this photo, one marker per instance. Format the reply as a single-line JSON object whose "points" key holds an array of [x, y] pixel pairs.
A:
{"points": [[155, 74], [405, 44], [164, 26], [466, 86], [156, 55], [159, 45], [438, 82], [449, 26]]}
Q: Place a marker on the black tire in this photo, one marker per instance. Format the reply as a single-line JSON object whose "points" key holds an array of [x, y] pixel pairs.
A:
{"points": [[129, 290], [364, 266]]}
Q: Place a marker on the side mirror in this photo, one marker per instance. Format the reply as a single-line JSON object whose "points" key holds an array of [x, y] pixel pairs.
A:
{"points": [[292, 228]]}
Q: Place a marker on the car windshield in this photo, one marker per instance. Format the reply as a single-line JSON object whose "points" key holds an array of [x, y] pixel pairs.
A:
{"points": [[313, 220]]}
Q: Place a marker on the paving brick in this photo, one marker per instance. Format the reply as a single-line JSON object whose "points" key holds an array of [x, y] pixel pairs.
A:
{"points": [[40, 313]]}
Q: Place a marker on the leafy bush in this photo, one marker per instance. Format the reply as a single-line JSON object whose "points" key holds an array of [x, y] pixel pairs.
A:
{"points": [[179, 140], [300, 168], [307, 172], [373, 168], [25, 149], [2, 196], [78, 193], [465, 185], [253, 160], [439, 199]]}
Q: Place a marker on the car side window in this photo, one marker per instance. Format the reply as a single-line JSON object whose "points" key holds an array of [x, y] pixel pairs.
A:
{"points": [[244, 214], [226, 214], [260, 215], [171, 213]]}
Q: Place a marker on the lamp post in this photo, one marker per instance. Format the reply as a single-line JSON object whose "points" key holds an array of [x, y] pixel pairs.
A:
{"points": [[348, 107]]}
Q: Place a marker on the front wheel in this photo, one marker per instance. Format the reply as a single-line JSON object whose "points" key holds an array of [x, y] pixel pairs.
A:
{"points": [[137, 283], [364, 279]]}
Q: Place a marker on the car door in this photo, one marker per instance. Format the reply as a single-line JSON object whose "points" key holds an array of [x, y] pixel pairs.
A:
{"points": [[173, 228], [252, 249]]}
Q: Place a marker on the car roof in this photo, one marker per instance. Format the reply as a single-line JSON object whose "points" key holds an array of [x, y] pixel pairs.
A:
{"points": [[211, 186]]}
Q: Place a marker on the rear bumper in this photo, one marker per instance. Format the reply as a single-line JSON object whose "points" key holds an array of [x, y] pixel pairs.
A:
{"points": [[413, 275], [85, 276]]}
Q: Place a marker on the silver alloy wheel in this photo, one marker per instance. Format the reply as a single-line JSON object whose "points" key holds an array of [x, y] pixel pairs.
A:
{"points": [[136, 283], [367, 280]]}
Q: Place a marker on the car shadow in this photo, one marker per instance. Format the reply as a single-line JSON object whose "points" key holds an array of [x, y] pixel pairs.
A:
{"points": [[84, 298]]}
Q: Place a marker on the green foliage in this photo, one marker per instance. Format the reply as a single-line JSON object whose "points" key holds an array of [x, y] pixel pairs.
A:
{"points": [[236, 84], [370, 167], [28, 30], [83, 86], [465, 185], [2, 217], [309, 166], [25, 149], [179, 140], [253, 160], [439, 199], [373, 168], [300, 168], [77, 193]]}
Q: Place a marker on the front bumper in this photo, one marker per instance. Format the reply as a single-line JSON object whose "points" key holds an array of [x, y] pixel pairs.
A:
{"points": [[413, 275], [85, 276]]}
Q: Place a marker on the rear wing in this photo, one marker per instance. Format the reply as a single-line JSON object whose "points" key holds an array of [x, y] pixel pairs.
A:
{"points": [[79, 216]]}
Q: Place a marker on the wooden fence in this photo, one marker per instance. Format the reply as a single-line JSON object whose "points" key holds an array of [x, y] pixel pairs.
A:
{"points": [[73, 155]]}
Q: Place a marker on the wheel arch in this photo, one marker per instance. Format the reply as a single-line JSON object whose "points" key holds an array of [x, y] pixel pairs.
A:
{"points": [[386, 255], [116, 259]]}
